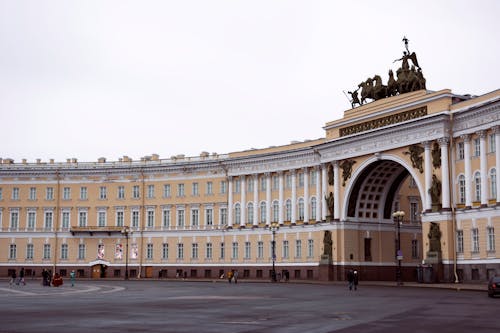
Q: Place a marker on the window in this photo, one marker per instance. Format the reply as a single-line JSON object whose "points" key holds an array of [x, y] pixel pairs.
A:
{"points": [[166, 218], [263, 210], [414, 217], [493, 147], [82, 218], [66, 193], [81, 251], [260, 250], [415, 249], [210, 189], [180, 251], [248, 250], [180, 218], [121, 192], [477, 186], [223, 216], [180, 190], [368, 249], [477, 147], [65, 219], [14, 219], [298, 248], [235, 250], [49, 194], [12, 251], [286, 249], [301, 179], [164, 252], [250, 212], [223, 187], [149, 251], [64, 251], [222, 250], [101, 218], [1, 193], [195, 218], [276, 211], [460, 241], [288, 210], [120, 217], [276, 182], [15, 193], [32, 220], [32, 193], [493, 183], [475, 240], [237, 214], [263, 184], [136, 192], [209, 216], [288, 181], [150, 218], [151, 191], [301, 209], [237, 185], [48, 220], [310, 248], [250, 186], [83, 193], [209, 251], [313, 208], [461, 189], [30, 250], [460, 150], [46, 251], [135, 219], [491, 239], [166, 191], [194, 251]]}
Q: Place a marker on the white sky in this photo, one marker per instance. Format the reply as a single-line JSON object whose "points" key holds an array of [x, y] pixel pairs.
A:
{"points": [[87, 79]]}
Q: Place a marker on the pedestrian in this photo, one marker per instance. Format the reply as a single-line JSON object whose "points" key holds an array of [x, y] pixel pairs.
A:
{"points": [[350, 278], [355, 280], [72, 276], [21, 277], [12, 278], [235, 276], [229, 276]]}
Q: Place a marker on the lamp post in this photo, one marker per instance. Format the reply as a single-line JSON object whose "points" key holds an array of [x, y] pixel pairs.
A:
{"points": [[398, 218], [126, 232], [274, 227]]}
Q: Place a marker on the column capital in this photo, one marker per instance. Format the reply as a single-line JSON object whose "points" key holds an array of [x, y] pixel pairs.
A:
{"points": [[427, 144], [496, 129], [293, 172], [443, 141], [465, 137], [481, 134], [267, 174]]}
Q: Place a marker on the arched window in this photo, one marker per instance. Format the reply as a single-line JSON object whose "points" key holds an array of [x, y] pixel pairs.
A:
{"points": [[263, 212], [461, 189], [276, 211], [288, 210], [313, 208], [493, 183], [301, 209], [477, 186], [237, 214], [250, 212]]}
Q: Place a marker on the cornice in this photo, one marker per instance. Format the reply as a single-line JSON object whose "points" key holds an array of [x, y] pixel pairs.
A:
{"points": [[481, 118]]}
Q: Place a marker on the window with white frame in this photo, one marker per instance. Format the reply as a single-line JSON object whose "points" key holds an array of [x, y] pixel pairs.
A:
{"points": [[83, 193], [101, 218], [477, 147], [195, 189], [263, 183], [275, 182], [149, 251], [180, 190], [46, 251], [460, 151], [136, 193], [66, 193], [248, 252], [223, 187], [150, 218], [492, 143], [32, 219], [222, 250], [461, 189], [120, 218], [310, 248], [288, 180], [235, 251], [48, 219], [286, 249], [263, 213], [81, 251], [210, 188], [32, 193], [103, 193], [250, 212], [135, 219], [250, 185], [209, 251], [490, 245], [312, 177], [298, 248], [180, 251], [12, 251], [14, 219], [82, 218], [301, 179], [314, 208], [237, 185], [64, 251], [260, 250], [414, 211], [30, 250], [166, 218], [180, 218], [121, 192], [164, 252], [151, 191], [15, 193], [237, 214], [301, 209], [460, 241], [167, 191], [65, 217], [477, 186], [276, 211], [195, 217], [1, 193], [223, 216], [288, 210], [475, 240], [493, 183], [194, 251]]}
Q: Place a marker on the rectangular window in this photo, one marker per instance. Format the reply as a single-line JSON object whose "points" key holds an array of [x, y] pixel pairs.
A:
{"points": [[66, 193], [81, 251], [82, 218], [31, 220], [222, 250], [298, 248], [15, 193], [164, 252], [301, 179], [180, 190], [149, 251], [223, 216], [1, 193], [288, 181], [237, 185], [260, 250], [248, 252], [136, 193], [195, 218], [135, 219], [194, 251], [460, 151], [166, 218], [310, 248], [151, 191], [275, 182], [263, 184], [32, 193], [30, 250], [286, 249], [460, 241], [48, 220], [250, 185], [120, 217], [195, 189], [12, 251], [313, 177], [209, 216], [46, 251], [491, 239], [151, 219], [210, 189], [64, 251], [180, 218], [415, 249], [223, 187], [209, 251], [14, 219], [101, 219], [49, 194], [475, 240], [83, 193], [65, 220], [477, 147], [493, 147], [166, 191], [121, 192], [414, 215], [235, 251], [180, 251]]}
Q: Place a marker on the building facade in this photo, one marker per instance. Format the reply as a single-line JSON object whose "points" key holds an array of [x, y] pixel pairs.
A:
{"points": [[432, 155]]}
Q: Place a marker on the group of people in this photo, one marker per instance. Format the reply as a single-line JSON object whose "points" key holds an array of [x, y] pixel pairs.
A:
{"points": [[48, 279], [232, 275], [14, 279]]}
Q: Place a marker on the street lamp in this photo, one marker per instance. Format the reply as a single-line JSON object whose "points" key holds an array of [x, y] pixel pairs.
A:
{"points": [[126, 232], [398, 218], [274, 226]]}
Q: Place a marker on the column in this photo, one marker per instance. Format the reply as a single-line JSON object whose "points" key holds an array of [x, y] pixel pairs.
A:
{"points": [[427, 175], [306, 195], [319, 200], [294, 196], [324, 188], [336, 191], [468, 184], [230, 202], [268, 198], [243, 201], [483, 168], [281, 196], [256, 200], [445, 169], [496, 130]]}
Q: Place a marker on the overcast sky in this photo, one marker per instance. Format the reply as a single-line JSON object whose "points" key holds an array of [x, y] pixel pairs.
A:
{"points": [[90, 79]]}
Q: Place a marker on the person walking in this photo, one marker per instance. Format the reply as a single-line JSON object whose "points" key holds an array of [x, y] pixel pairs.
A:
{"points": [[12, 278], [235, 276], [355, 279], [350, 278], [21, 277], [229, 276], [72, 276]]}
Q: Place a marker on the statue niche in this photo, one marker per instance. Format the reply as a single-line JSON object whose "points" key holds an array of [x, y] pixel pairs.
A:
{"points": [[330, 202], [327, 243], [436, 155], [435, 192], [434, 236]]}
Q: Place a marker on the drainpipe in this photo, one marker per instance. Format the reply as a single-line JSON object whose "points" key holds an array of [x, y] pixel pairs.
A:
{"points": [[451, 160], [56, 220], [143, 218]]}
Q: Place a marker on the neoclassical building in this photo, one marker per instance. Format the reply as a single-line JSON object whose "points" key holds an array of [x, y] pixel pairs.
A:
{"points": [[330, 202]]}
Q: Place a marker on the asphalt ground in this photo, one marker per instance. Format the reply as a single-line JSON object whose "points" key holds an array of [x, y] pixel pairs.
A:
{"points": [[188, 306]]}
